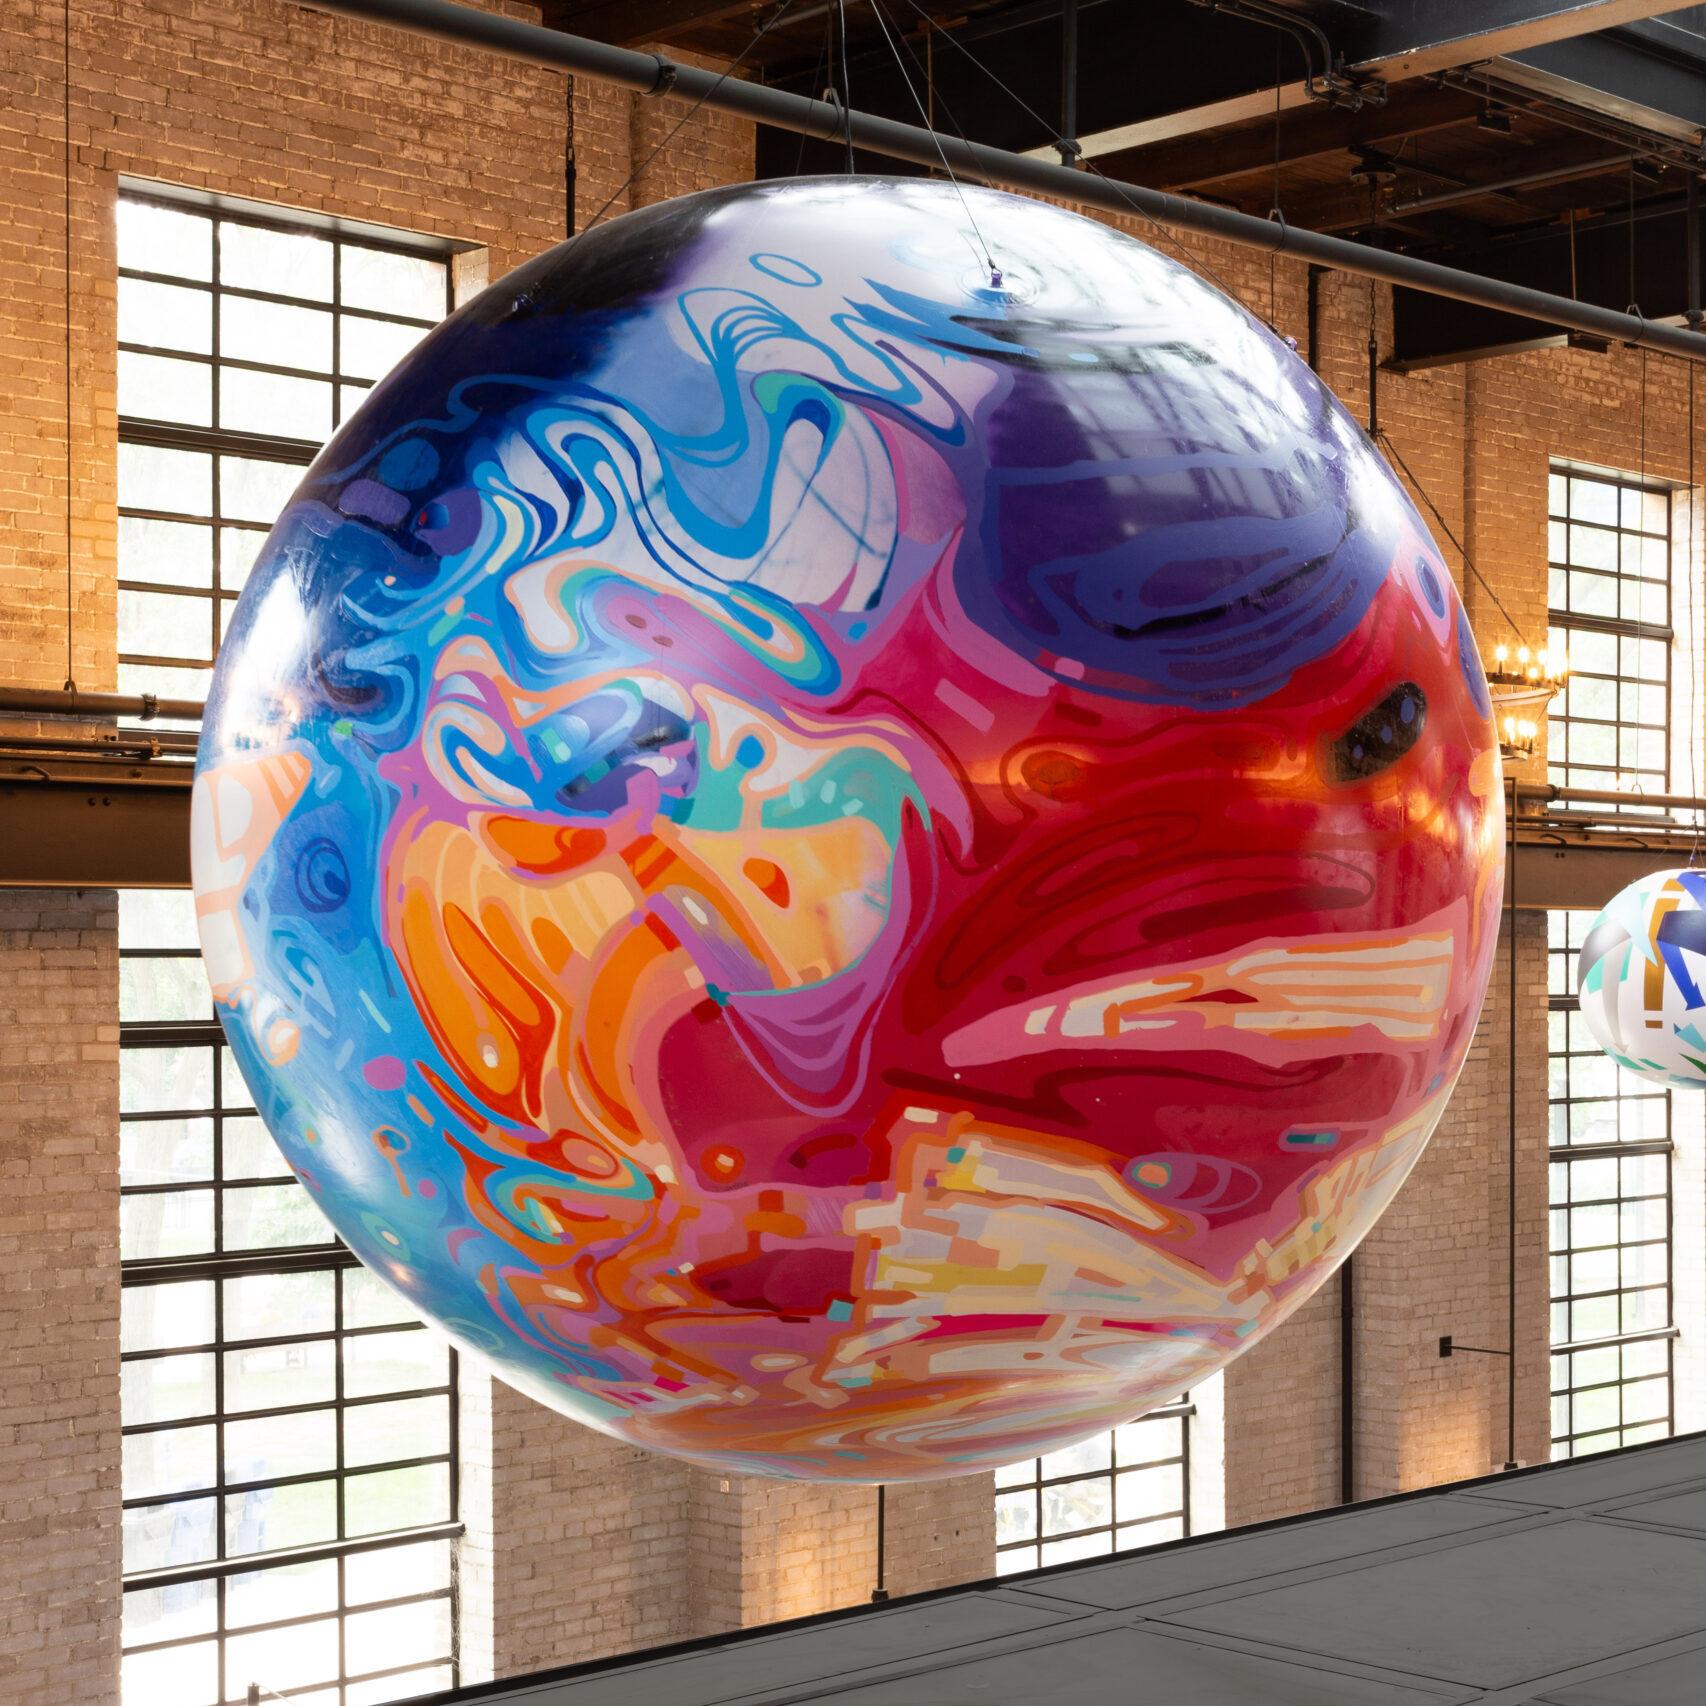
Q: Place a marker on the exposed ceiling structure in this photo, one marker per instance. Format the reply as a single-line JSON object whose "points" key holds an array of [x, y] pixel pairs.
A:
{"points": [[1548, 142]]}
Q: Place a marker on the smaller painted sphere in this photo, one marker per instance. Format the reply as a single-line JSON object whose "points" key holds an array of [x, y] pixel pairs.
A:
{"points": [[1639, 978]]}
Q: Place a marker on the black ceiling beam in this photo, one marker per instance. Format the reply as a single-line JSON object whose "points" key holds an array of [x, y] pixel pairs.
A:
{"points": [[1621, 73], [1428, 331], [1415, 109], [1381, 41]]}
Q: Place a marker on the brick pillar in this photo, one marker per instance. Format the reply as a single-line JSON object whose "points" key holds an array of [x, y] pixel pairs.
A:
{"points": [[59, 1298], [577, 1547]]}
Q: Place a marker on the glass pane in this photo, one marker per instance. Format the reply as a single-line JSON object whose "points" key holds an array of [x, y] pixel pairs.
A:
{"points": [[402, 1687], [410, 1427], [398, 1635], [157, 1317], [391, 1572], [393, 1362], [1082, 1546], [1149, 1441], [275, 404], [271, 1376], [164, 624], [1093, 1453], [165, 316], [265, 1306], [272, 1447], [170, 1613], [165, 1223], [156, 918], [1077, 1504], [1142, 1493], [370, 1302], [412, 285], [369, 349], [1593, 500], [177, 480], [275, 333], [164, 1079], [273, 1217], [165, 1537], [173, 553], [174, 1460], [1015, 1516], [254, 490], [282, 263], [238, 549], [163, 388], [165, 1152], [250, 1152], [268, 1519], [164, 240], [175, 1676], [163, 990], [287, 1590], [388, 1499], [167, 1389], [296, 1657]]}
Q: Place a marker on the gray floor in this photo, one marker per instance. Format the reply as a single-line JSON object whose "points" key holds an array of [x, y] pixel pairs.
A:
{"points": [[1582, 1584]]}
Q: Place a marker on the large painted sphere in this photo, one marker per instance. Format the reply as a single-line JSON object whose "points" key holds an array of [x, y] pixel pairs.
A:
{"points": [[1639, 978], [851, 868]]}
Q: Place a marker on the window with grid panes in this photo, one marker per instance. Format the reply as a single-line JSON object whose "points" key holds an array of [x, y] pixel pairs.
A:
{"points": [[1610, 1244], [244, 342], [289, 1481], [1114, 1493], [1610, 597]]}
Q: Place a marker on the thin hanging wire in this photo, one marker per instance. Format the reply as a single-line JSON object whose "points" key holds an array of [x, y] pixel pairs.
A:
{"points": [[675, 130], [1692, 569], [1274, 210], [980, 248], [846, 79], [816, 83], [1385, 442], [70, 618], [1163, 232]]}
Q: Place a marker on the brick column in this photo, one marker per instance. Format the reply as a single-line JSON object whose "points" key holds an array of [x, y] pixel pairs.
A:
{"points": [[59, 1298]]}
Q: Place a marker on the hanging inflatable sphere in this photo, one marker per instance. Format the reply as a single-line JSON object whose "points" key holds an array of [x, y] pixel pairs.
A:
{"points": [[1639, 975], [857, 846]]}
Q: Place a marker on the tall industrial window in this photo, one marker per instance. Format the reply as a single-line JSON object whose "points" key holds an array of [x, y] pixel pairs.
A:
{"points": [[289, 1480], [243, 343], [1114, 1493], [1612, 1323], [1610, 597]]}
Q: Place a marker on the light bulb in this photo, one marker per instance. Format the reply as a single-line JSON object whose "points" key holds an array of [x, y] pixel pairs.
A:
{"points": [[1522, 654], [1500, 654]]}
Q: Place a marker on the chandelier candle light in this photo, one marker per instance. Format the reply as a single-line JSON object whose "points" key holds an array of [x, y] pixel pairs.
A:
{"points": [[1518, 684]]}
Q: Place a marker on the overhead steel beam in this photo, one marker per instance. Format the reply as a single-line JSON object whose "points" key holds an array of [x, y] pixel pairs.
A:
{"points": [[81, 824], [1620, 74], [1390, 41], [1414, 110], [653, 74]]}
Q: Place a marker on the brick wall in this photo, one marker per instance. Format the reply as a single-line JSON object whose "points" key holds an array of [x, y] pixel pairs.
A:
{"points": [[59, 1376]]}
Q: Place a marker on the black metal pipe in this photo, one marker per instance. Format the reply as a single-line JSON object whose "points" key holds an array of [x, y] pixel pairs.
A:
{"points": [[1068, 146], [70, 702], [652, 73]]}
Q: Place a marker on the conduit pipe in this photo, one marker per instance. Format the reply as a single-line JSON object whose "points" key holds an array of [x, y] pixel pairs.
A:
{"points": [[653, 74]]}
